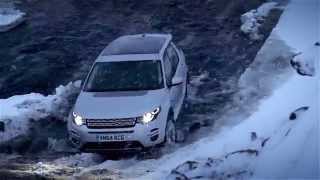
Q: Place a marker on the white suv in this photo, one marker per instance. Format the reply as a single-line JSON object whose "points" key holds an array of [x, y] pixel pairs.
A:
{"points": [[132, 96]]}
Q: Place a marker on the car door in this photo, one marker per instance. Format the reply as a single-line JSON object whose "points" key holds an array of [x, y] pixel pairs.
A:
{"points": [[178, 71]]}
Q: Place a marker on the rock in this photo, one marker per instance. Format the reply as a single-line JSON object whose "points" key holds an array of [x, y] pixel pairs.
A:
{"points": [[195, 126], [288, 131], [237, 175], [253, 136], [187, 166], [294, 115], [212, 168], [188, 40], [177, 176], [264, 142], [20, 143], [249, 151], [213, 162], [2, 126], [180, 135], [38, 145], [304, 63]]}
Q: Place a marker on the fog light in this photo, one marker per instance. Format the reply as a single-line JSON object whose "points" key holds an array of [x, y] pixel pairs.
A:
{"points": [[154, 138]]}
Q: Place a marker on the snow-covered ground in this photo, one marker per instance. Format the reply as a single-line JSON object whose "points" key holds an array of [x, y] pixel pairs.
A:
{"points": [[10, 18]]}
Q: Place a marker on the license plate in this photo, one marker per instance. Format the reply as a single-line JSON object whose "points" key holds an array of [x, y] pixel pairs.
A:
{"points": [[111, 137]]}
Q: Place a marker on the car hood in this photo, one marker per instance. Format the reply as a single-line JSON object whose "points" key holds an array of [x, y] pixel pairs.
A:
{"points": [[105, 105]]}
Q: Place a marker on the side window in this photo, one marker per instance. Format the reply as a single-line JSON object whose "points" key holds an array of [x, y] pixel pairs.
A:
{"points": [[173, 56], [167, 67]]}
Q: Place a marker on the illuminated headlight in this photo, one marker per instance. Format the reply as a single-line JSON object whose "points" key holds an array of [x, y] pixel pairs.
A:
{"points": [[77, 119], [150, 116]]}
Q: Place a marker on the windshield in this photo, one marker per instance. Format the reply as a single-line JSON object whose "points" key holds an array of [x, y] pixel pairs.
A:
{"points": [[125, 76]]}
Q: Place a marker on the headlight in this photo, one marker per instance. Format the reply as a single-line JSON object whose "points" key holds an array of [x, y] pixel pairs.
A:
{"points": [[150, 116], [77, 119]]}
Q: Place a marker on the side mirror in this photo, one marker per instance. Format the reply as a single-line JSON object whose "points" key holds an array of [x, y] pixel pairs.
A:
{"points": [[176, 81]]}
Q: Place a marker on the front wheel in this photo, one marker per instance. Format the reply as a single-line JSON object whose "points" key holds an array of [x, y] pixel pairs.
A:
{"points": [[171, 134]]}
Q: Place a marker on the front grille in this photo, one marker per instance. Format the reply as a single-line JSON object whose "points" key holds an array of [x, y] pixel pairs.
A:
{"points": [[111, 123]]}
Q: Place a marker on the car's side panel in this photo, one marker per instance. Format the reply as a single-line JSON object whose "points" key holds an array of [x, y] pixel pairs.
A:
{"points": [[180, 89], [177, 91]]}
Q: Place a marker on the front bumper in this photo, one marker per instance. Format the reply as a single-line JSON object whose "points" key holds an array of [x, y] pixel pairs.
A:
{"points": [[138, 137]]}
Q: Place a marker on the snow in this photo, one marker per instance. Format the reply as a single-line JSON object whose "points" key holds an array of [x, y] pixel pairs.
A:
{"points": [[251, 21], [79, 160], [17, 111], [10, 18], [300, 24]]}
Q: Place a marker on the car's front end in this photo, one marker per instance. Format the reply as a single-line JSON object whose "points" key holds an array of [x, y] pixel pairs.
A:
{"points": [[125, 111], [118, 132]]}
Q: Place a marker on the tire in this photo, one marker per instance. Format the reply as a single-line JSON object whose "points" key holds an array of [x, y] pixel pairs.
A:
{"points": [[171, 133]]}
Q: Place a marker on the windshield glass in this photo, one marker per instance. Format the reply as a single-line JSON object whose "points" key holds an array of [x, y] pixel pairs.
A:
{"points": [[125, 76]]}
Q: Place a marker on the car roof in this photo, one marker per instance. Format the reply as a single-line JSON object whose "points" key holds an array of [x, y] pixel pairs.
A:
{"points": [[137, 44], [128, 57]]}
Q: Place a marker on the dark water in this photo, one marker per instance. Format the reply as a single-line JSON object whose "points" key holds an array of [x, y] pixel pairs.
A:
{"points": [[61, 39]]}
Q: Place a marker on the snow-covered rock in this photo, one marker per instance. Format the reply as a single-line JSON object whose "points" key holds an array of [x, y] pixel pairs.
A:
{"points": [[17, 111], [10, 18], [305, 61], [231, 166], [251, 21]]}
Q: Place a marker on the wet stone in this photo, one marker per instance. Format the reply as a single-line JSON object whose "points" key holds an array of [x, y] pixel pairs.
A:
{"points": [[2, 126]]}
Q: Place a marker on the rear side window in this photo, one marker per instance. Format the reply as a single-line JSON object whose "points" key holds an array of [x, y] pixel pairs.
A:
{"points": [[173, 56], [167, 68]]}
